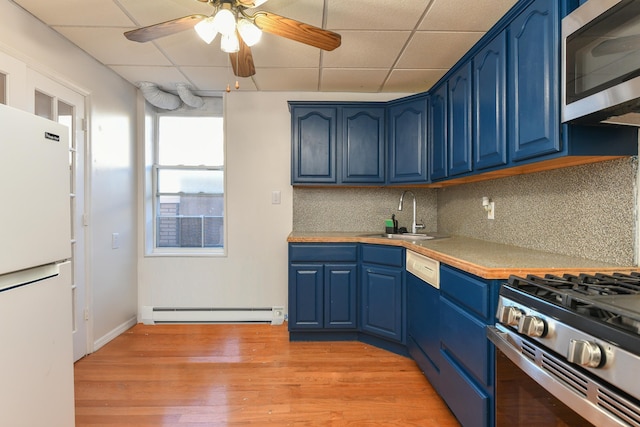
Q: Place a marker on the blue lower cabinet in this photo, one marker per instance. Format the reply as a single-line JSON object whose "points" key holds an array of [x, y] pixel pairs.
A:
{"points": [[467, 358], [382, 293], [423, 332], [306, 287], [382, 302], [323, 286], [340, 290], [470, 403]]}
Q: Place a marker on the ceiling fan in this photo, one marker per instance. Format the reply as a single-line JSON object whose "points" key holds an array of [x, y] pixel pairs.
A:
{"points": [[239, 29]]}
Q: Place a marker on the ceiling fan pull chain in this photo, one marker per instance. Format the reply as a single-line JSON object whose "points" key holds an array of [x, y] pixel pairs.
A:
{"points": [[237, 68]]}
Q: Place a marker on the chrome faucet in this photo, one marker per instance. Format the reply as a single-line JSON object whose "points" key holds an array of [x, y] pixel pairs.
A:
{"points": [[414, 225]]}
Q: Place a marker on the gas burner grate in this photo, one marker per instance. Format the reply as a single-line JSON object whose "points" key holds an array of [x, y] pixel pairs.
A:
{"points": [[590, 295]]}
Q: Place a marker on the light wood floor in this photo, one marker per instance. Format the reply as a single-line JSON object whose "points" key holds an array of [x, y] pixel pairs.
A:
{"points": [[249, 375]]}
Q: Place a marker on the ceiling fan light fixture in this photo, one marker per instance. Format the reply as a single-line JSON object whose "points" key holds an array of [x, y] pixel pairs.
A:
{"points": [[249, 32], [206, 29], [229, 44], [225, 22]]}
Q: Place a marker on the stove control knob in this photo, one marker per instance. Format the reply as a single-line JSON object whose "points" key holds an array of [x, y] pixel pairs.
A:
{"points": [[509, 315], [532, 326], [585, 353]]}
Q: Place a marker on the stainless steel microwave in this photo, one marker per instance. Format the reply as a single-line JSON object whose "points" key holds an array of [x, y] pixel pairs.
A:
{"points": [[601, 63]]}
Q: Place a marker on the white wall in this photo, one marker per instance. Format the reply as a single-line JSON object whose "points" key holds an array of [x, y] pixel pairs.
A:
{"points": [[111, 139], [258, 159]]}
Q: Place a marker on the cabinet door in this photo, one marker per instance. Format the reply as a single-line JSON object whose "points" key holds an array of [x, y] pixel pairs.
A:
{"points": [[382, 302], [438, 133], [340, 296], [534, 88], [460, 121], [490, 90], [423, 302], [363, 145], [408, 141], [314, 145], [471, 405], [305, 296]]}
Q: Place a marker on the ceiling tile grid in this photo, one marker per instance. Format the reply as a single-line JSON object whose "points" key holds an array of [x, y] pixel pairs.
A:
{"points": [[401, 46]]}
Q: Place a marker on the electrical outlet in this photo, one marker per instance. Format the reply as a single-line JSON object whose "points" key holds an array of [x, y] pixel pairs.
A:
{"points": [[491, 211]]}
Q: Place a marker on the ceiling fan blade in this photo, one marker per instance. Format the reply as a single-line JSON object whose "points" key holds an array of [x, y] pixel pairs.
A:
{"points": [[617, 45], [162, 29], [242, 61], [296, 30]]}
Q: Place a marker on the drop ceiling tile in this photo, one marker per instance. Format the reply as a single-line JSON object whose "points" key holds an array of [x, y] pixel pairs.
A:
{"points": [[165, 77], [374, 14], [110, 47], [207, 79], [149, 12], [352, 80], [187, 49], [287, 79], [479, 15], [74, 12], [366, 49], [274, 51], [436, 49], [412, 81], [307, 11]]}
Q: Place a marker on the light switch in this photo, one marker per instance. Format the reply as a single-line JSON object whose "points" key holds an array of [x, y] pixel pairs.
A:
{"points": [[275, 197], [115, 240]]}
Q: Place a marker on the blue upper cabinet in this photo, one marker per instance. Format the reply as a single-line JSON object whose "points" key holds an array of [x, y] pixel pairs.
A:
{"points": [[460, 121], [495, 113], [438, 132], [490, 98], [314, 131], [363, 144], [534, 90], [337, 143], [407, 136]]}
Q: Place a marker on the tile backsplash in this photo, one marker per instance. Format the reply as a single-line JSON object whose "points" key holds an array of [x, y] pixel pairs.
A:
{"points": [[360, 209], [587, 211]]}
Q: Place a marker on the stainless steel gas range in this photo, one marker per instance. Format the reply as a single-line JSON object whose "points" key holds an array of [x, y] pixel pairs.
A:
{"points": [[568, 350]]}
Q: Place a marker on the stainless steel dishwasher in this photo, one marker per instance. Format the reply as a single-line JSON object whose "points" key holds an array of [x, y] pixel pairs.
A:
{"points": [[423, 294]]}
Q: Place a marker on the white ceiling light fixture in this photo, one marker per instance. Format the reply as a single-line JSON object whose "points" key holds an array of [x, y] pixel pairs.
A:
{"points": [[249, 32], [206, 30], [223, 21], [230, 43]]}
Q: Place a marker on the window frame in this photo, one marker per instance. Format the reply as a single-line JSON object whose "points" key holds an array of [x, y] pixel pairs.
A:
{"points": [[152, 248]]}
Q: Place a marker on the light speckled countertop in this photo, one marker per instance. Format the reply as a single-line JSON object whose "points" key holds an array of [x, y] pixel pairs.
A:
{"points": [[481, 258]]}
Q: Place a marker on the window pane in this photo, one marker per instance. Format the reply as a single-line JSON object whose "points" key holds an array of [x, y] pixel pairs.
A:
{"points": [[190, 141], [44, 105], [3, 88], [190, 221], [190, 181]]}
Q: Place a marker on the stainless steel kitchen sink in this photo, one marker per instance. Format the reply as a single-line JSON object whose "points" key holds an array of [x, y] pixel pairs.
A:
{"points": [[404, 236]]}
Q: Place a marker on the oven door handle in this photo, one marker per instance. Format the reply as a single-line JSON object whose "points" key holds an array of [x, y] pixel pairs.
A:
{"points": [[511, 346]]}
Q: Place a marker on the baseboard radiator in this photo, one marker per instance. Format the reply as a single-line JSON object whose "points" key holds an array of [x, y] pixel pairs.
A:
{"points": [[157, 315]]}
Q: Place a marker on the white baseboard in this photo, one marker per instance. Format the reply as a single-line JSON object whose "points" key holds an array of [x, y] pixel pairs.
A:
{"points": [[100, 342]]}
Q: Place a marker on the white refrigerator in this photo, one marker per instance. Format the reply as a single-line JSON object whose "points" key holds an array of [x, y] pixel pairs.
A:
{"points": [[36, 349]]}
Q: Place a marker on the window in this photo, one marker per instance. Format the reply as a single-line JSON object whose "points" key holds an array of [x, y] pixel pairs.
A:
{"points": [[188, 184], [3, 88]]}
